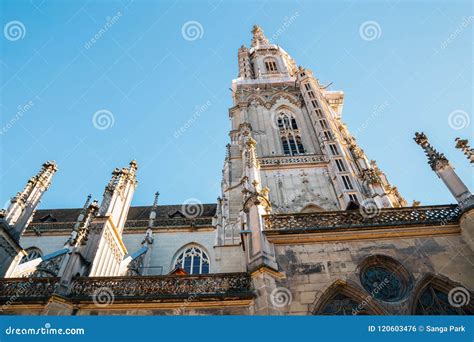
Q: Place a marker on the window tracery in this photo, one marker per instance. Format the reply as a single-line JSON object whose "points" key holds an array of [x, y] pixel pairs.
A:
{"points": [[290, 135], [193, 260], [385, 278], [32, 253]]}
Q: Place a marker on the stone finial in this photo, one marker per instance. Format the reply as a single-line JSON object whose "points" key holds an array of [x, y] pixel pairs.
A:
{"points": [[153, 211], [463, 145], [436, 159], [80, 232], [155, 201], [83, 212], [259, 38]]}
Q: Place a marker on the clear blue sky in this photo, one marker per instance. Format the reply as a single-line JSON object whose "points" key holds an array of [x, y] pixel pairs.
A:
{"points": [[151, 79]]}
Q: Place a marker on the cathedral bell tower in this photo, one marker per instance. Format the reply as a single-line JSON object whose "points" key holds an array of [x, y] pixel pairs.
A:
{"points": [[308, 161]]}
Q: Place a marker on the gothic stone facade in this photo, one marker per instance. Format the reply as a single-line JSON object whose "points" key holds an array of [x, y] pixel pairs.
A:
{"points": [[305, 224]]}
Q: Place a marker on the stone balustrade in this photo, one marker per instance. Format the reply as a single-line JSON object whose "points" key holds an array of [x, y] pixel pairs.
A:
{"points": [[430, 215]]}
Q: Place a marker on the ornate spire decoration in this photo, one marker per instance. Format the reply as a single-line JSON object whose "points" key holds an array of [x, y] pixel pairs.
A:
{"points": [[121, 179], [259, 38], [23, 206], [152, 217], [155, 200], [79, 236], [436, 160], [440, 164], [463, 145], [80, 218]]}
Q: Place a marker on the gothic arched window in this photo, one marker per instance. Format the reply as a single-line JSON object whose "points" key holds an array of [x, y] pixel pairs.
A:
{"points": [[270, 65], [438, 296], [32, 253], [342, 298], [289, 134], [342, 305], [193, 260]]}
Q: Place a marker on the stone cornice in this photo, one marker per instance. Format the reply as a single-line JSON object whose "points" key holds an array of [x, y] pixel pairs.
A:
{"points": [[368, 233]]}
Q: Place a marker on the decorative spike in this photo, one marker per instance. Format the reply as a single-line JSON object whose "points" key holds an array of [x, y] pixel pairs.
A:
{"points": [[259, 38], [440, 164], [436, 160], [152, 216], [23, 206], [155, 201], [463, 145]]}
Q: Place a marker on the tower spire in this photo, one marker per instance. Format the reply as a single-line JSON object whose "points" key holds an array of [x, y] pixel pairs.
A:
{"points": [[118, 195], [23, 206], [441, 166], [259, 38]]}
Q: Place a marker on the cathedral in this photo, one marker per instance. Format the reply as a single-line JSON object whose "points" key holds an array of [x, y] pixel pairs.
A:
{"points": [[305, 224]]}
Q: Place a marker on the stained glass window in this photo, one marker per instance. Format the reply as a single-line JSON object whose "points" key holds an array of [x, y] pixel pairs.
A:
{"points": [[383, 283], [433, 301], [342, 305], [193, 260], [32, 253]]}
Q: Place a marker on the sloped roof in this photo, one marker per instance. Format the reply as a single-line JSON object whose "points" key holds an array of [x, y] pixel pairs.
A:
{"points": [[134, 214]]}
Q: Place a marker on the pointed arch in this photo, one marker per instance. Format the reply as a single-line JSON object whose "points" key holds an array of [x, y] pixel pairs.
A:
{"points": [[289, 132], [311, 208], [343, 298], [287, 96], [439, 295], [31, 254], [256, 98], [193, 258]]}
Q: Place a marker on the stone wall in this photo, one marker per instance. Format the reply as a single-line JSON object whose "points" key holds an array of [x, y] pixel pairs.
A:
{"points": [[167, 244], [311, 268]]}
